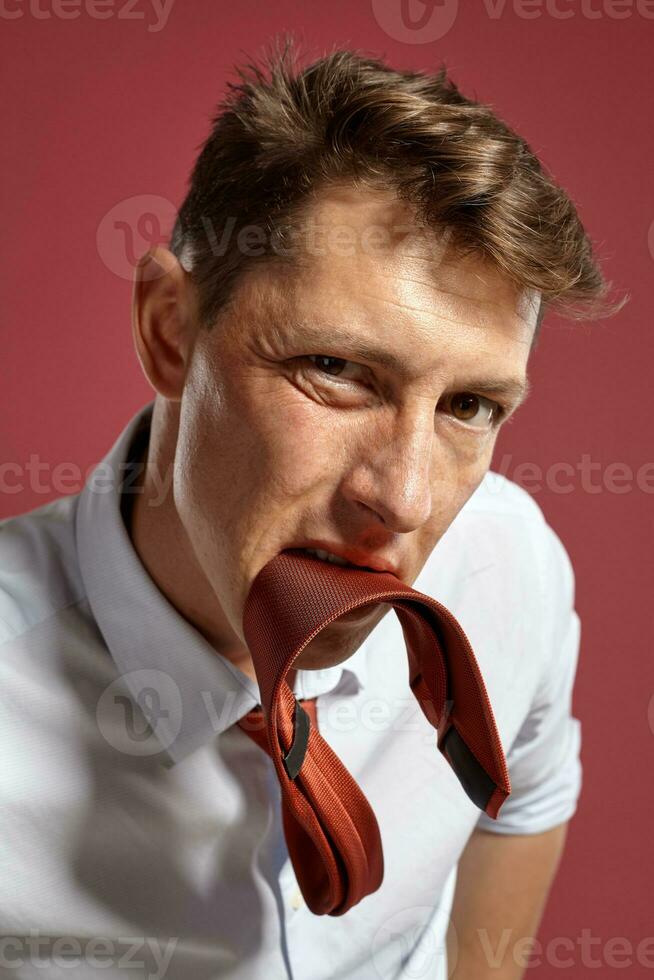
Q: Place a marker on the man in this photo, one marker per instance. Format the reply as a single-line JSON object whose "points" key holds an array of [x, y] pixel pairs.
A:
{"points": [[338, 331]]}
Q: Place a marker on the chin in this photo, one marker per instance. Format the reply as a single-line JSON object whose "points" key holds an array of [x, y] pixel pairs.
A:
{"points": [[342, 638], [311, 659]]}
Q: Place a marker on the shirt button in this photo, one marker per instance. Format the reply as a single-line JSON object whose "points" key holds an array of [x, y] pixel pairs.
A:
{"points": [[297, 899]]}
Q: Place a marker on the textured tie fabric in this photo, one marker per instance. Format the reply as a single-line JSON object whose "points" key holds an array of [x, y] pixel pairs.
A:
{"points": [[331, 831]]}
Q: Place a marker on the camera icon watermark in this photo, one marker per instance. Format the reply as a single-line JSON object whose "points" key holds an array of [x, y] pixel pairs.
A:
{"points": [[140, 713], [132, 227], [425, 21], [415, 21], [414, 937]]}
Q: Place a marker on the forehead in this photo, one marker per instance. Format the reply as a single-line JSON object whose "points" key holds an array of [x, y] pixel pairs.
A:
{"points": [[361, 257], [352, 228]]}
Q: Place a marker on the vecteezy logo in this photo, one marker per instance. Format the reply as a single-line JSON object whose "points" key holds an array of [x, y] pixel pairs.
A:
{"points": [[415, 938], [149, 702], [130, 228], [415, 21], [140, 713]]}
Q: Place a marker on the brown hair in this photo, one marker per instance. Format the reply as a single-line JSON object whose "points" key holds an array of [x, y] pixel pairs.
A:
{"points": [[282, 133]]}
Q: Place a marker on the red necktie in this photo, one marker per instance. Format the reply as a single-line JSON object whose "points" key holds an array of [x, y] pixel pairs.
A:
{"points": [[331, 831]]}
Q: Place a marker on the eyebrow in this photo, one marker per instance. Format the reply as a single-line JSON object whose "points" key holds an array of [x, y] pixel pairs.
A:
{"points": [[517, 389]]}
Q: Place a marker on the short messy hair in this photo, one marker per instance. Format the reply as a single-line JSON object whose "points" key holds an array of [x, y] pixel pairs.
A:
{"points": [[282, 133]]}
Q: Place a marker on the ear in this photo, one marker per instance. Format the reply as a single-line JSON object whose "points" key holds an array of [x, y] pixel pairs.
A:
{"points": [[163, 322]]}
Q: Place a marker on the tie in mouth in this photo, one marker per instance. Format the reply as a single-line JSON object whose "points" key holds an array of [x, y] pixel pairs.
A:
{"points": [[327, 557], [330, 828]]}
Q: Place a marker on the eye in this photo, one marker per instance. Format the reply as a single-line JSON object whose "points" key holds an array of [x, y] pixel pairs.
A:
{"points": [[471, 410], [331, 366], [475, 410]]}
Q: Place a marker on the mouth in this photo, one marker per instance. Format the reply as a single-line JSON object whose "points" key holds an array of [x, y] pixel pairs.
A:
{"points": [[322, 555], [328, 556]]}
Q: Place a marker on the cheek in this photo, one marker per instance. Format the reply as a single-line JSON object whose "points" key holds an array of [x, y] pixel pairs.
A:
{"points": [[298, 445], [456, 472], [465, 480], [252, 446]]}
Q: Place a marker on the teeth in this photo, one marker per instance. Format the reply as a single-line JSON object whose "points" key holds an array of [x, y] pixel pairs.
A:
{"points": [[327, 556]]}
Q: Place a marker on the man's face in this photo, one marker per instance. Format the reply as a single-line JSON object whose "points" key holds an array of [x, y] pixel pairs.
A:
{"points": [[339, 405]]}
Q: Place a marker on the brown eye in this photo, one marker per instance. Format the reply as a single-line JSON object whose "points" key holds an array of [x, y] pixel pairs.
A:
{"points": [[467, 405], [329, 365], [480, 413]]}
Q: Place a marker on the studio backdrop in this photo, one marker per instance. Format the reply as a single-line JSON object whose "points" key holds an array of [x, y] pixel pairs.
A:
{"points": [[105, 107]]}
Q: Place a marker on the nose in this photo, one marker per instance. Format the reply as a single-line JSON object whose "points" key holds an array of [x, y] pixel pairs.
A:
{"points": [[391, 473]]}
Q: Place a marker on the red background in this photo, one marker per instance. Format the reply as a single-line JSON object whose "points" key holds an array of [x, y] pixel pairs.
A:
{"points": [[103, 111]]}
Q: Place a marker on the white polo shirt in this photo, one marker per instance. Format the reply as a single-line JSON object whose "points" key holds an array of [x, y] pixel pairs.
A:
{"points": [[140, 829]]}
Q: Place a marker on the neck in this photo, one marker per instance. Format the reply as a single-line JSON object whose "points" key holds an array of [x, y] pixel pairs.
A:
{"points": [[163, 547]]}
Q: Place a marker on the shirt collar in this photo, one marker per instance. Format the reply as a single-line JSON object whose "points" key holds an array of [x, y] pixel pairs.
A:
{"points": [[199, 693]]}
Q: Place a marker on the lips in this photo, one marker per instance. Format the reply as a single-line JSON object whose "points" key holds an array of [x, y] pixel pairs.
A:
{"points": [[341, 555], [328, 557]]}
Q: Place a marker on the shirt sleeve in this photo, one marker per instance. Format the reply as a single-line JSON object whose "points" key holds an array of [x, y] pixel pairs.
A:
{"points": [[544, 760]]}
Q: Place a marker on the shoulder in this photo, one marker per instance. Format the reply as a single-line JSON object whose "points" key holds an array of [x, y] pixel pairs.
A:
{"points": [[39, 575]]}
